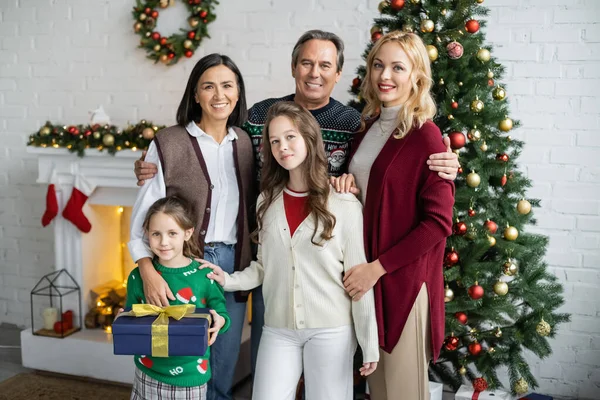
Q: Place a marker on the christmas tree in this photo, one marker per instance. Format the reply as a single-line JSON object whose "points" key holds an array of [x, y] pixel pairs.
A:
{"points": [[500, 298]]}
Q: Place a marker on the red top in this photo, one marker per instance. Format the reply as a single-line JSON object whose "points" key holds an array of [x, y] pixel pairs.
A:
{"points": [[295, 208], [407, 217]]}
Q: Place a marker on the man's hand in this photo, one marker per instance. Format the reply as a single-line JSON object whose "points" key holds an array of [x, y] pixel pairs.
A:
{"points": [[218, 323], [216, 274], [344, 184], [144, 170], [361, 278], [368, 368], [156, 290], [445, 164]]}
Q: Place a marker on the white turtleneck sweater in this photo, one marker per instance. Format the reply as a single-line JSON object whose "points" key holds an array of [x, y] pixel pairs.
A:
{"points": [[370, 147]]}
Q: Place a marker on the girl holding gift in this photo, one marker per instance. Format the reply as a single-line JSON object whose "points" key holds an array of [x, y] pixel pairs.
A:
{"points": [[407, 215], [169, 226], [308, 236]]}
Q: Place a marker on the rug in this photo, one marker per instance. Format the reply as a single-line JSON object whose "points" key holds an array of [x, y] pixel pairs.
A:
{"points": [[34, 385]]}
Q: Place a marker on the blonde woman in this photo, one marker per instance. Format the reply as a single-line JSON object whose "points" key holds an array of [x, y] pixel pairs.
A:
{"points": [[407, 215]]}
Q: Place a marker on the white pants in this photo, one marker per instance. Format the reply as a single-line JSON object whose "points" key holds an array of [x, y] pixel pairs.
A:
{"points": [[325, 356]]}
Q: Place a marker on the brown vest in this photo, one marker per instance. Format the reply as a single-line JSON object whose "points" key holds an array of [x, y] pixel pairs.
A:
{"points": [[186, 175]]}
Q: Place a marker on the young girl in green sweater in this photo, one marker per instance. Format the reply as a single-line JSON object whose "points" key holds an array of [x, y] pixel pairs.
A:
{"points": [[169, 225]]}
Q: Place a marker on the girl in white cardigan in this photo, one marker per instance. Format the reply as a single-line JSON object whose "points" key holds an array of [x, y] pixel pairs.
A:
{"points": [[308, 236]]}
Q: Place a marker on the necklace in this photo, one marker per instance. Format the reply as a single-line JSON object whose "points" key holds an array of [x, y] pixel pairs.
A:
{"points": [[381, 128]]}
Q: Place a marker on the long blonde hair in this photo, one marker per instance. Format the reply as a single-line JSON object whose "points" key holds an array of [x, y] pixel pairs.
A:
{"points": [[419, 107], [274, 177]]}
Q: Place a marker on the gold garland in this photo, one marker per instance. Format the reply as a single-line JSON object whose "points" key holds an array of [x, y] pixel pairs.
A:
{"points": [[78, 138]]}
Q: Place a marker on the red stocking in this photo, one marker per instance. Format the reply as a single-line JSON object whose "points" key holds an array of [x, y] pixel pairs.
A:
{"points": [[74, 209], [51, 205]]}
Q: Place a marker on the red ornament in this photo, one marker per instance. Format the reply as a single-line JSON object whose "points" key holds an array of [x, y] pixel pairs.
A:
{"points": [[203, 14], [454, 105], [457, 140], [491, 226], [154, 14], [147, 10], [356, 82], [163, 41], [171, 56], [88, 133], [73, 130], [476, 292], [155, 35], [459, 228], [451, 258], [480, 384], [472, 26], [205, 21], [191, 35], [502, 157], [451, 343], [503, 180], [472, 212], [460, 170], [475, 348], [461, 317], [490, 82], [197, 2], [397, 4], [188, 53], [376, 36]]}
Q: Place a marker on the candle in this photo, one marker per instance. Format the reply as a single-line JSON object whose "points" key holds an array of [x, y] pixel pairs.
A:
{"points": [[50, 316]]}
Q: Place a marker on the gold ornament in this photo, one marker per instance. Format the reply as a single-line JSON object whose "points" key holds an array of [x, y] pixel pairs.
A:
{"points": [[108, 139], [523, 207], [499, 93], [480, 1], [460, 83], [474, 134], [492, 241], [45, 131], [498, 333], [521, 386], [473, 180], [163, 3], [432, 52], [505, 125], [97, 135], [375, 28], [187, 44], [448, 295], [462, 370], [450, 117], [483, 55], [156, 47], [137, 27], [415, 1], [408, 28], [477, 106], [543, 328], [382, 5], [142, 17], [490, 74], [148, 133], [193, 21], [147, 34], [441, 81], [427, 25], [501, 288], [164, 58], [484, 146], [444, 11], [510, 268], [511, 233]]}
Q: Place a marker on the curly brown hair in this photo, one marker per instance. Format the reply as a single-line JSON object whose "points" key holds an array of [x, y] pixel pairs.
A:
{"points": [[274, 177]]}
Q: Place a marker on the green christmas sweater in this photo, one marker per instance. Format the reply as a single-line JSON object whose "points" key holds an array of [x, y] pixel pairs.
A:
{"points": [[190, 286], [338, 125]]}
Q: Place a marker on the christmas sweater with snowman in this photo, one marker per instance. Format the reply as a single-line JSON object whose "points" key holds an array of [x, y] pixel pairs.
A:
{"points": [[337, 121], [190, 286]]}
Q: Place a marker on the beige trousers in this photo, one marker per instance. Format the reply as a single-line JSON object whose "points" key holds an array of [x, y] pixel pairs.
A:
{"points": [[402, 375]]}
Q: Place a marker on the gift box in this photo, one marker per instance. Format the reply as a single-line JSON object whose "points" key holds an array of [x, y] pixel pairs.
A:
{"points": [[466, 392], [536, 396], [435, 390], [145, 329]]}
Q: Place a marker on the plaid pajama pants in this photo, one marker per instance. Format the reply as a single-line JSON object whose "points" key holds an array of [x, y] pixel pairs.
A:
{"points": [[147, 388]]}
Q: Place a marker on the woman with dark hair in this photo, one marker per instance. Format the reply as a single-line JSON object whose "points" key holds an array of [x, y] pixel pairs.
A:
{"points": [[207, 160]]}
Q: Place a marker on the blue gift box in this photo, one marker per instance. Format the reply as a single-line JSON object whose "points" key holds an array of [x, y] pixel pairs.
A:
{"points": [[186, 337], [535, 396]]}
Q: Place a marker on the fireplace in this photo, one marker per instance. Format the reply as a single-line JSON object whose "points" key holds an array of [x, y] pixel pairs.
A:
{"points": [[92, 259]]}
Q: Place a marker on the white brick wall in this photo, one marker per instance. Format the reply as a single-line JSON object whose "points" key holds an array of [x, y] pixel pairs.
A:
{"points": [[61, 58]]}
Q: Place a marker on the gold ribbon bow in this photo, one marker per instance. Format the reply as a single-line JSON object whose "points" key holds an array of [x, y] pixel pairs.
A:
{"points": [[160, 326]]}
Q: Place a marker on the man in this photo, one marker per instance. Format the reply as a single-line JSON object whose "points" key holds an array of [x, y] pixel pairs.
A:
{"points": [[317, 61]]}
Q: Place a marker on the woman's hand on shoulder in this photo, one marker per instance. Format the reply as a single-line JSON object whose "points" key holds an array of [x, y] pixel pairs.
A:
{"points": [[445, 164], [368, 368], [344, 184], [217, 274]]}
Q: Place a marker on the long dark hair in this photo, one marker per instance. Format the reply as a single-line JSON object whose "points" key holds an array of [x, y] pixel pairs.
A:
{"points": [[274, 177], [189, 110], [181, 211]]}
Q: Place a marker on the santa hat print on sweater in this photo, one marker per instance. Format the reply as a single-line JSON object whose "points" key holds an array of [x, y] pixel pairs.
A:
{"points": [[202, 365], [145, 361], [185, 295]]}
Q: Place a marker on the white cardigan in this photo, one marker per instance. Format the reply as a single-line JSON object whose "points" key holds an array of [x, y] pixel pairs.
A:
{"points": [[302, 282]]}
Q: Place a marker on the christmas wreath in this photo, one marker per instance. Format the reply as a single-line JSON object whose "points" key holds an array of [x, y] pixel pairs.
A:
{"points": [[170, 49]]}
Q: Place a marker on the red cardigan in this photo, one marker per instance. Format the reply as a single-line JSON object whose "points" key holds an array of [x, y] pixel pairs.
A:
{"points": [[407, 217]]}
